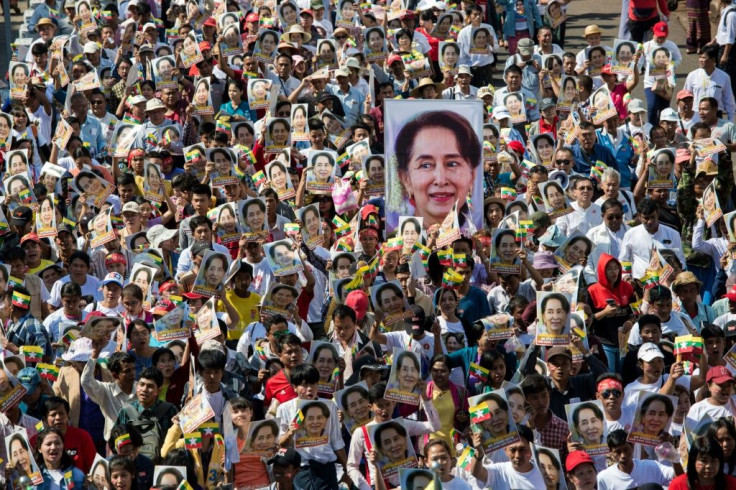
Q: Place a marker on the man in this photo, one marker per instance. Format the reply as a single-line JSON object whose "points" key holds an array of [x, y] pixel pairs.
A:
{"points": [[721, 129], [77, 442], [350, 97], [281, 76], [587, 214], [278, 387], [22, 328], [685, 112], [720, 384], [201, 196], [462, 89], [512, 76], [111, 397], [630, 472], [148, 408], [347, 337], [91, 127], [709, 81], [588, 151], [156, 112], [201, 227], [641, 239], [34, 398], [530, 64], [545, 45], [98, 108], [518, 473], [415, 338], [592, 36], [16, 259], [724, 40], [609, 235], [549, 122]]}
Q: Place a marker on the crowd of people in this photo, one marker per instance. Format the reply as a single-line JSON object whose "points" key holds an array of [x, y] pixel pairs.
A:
{"points": [[337, 245]]}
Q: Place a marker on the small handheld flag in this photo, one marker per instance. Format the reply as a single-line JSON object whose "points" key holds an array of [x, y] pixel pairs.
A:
{"points": [[193, 440], [479, 372], [479, 413], [299, 418]]}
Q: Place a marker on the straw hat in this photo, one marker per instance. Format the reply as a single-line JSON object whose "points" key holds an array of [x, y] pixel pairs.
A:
{"points": [[426, 82], [296, 29]]}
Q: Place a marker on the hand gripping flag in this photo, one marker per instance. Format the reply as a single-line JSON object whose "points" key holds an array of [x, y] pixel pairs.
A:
{"points": [[298, 418]]}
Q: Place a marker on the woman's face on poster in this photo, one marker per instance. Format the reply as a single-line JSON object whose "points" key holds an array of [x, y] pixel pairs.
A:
{"points": [[278, 177], [264, 439], [375, 41], [47, 212], [299, 120], [4, 128], [576, 251], [409, 234], [663, 166], [279, 133], [222, 163], [499, 422], [545, 150], [513, 104], [254, 217], [326, 52], [375, 170], [549, 471], [347, 10], [227, 220], [322, 168], [481, 39], [597, 58], [554, 316], [315, 421], [268, 43], [408, 375], [325, 363], [18, 164], [589, 426], [443, 26], [625, 54], [358, 407], [555, 197], [450, 56], [507, 249], [202, 93], [283, 297], [259, 90], [654, 419], [661, 58]]}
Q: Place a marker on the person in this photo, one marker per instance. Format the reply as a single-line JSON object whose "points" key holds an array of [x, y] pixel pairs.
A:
{"points": [[705, 468], [518, 472], [407, 372], [587, 420], [254, 213], [630, 472], [434, 189], [54, 461]]}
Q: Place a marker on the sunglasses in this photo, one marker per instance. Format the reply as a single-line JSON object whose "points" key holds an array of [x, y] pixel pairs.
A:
{"points": [[612, 217], [341, 37], [563, 162], [608, 393]]}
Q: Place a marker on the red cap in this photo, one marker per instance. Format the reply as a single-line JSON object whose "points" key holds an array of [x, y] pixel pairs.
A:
{"points": [[166, 285], [251, 17], [205, 45], [163, 307], [606, 70], [576, 458], [30, 237], [682, 155], [307, 11], [409, 14], [394, 58], [517, 146], [193, 296], [719, 374], [358, 301], [731, 294], [210, 22], [684, 94], [660, 29]]}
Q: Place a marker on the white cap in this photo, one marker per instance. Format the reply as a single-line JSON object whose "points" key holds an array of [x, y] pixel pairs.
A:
{"points": [[131, 207], [342, 72], [670, 115], [636, 105], [154, 104], [150, 25], [137, 99], [500, 112], [80, 350], [648, 352], [464, 70], [91, 47]]}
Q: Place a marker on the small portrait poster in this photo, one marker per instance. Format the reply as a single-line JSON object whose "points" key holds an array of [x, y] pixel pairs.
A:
{"points": [[263, 436], [122, 138], [196, 412], [419, 479], [601, 105], [153, 183], [299, 122], [253, 218], [259, 91], [228, 224], [283, 257], [402, 386], [209, 281], [504, 249], [190, 54], [711, 206], [553, 319], [374, 170], [224, 161], [207, 325], [169, 476], [548, 460], [102, 229], [568, 93], [555, 200], [653, 416], [572, 251], [313, 418], [172, 326], [46, 217], [389, 300], [449, 56], [164, 72], [588, 426], [265, 49], [231, 43], [18, 76], [142, 276], [393, 448], [730, 220], [354, 404], [279, 300], [499, 326], [311, 226], [202, 100], [16, 163], [20, 456], [374, 47], [99, 474], [278, 134], [662, 169], [623, 57], [514, 103], [490, 416], [321, 168], [280, 180]]}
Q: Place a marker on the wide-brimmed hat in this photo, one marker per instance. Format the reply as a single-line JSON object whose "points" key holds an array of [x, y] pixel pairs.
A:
{"points": [[296, 29], [685, 278], [426, 82], [591, 29]]}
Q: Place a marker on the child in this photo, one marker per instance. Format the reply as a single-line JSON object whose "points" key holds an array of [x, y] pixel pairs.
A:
{"points": [[250, 472]]}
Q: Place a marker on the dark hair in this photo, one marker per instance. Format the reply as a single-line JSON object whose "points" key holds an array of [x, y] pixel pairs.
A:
{"points": [[668, 406], [79, 255], [586, 406], [53, 403], [648, 206], [596, 48], [376, 392], [388, 286], [411, 356], [422, 473], [201, 189], [153, 374], [712, 432], [212, 359], [321, 405], [304, 374], [489, 357], [611, 203], [534, 384], [558, 296], [467, 140], [290, 339], [274, 320], [512, 69], [344, 311], [617, 438], [66, 460], [386, 426], [708, 447], [710, 331], [501, 234], [117, 359], [118, 462], [349, 391]]}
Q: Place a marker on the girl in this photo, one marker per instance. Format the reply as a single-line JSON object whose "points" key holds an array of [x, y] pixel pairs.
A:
{"points": [[251, 471], [238, 108], [450, 400], [704, 468], [122, 470], [55, 464]]}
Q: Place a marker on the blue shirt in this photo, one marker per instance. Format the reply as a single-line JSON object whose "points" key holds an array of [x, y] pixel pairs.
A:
{"points": [[584, 161], [92, 134], [623, 153], [352, 102], [242, 110]]}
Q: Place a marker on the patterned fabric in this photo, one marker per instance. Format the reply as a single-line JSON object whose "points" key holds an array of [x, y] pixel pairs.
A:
{"points": [[698, 24], [29, 331]]}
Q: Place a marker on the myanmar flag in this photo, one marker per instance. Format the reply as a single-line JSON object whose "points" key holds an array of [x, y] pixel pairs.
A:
{"points": [[193, 440], [299, 418], [479, 372], [479, 413], [48, 371], [464, 460], [32, 353], [209, 429]]}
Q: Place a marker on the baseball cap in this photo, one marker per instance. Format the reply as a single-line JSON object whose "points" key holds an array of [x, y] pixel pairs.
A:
{"points": [[190, 295], [252, 17], [648, 352], [91, 47], [483, 91], [21, 215], [606, 70], [670, 115], [730, 329], [154, 104], [31, 237], [635, 106], [546, 103], [393, 58], [113, 278], [559, 351], [210, 22], [684, 94], [553, 237], [163, 307], [146, 48], [500, 112], [342, 72], [358, 301], [731, 294], [525, 46], [286, 457], [199, 247], [576, 458], [719, 374], [30, 379], [131, 207], [661, 29]]}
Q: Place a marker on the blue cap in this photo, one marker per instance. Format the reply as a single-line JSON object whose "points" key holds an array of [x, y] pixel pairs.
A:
{"points": [[29, 378], [553, 237]]}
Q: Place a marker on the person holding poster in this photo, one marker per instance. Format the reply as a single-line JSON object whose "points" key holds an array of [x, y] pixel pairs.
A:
{"points": [[190, 54], [262, 438], [601, 104], [555, 199], [587, 426], [211, 273], [46, 220], [499, 430], [504, 252], [449, 57], [711, 207], [433, 160], [410, 231], [253, 215], [228, 226], [374, 47], [299, 123], [662, 169], [265, 49], [322, 175], [311, 226], [373, 175], [259, 91], [353, 401], [654, 413], [280, 180], [313, 431], [403, 381], [20, 458], [553, 324], [283, 257], [393, 448]]}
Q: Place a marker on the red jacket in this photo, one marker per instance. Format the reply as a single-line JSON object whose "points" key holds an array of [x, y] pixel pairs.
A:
{"points": [[647, 9]]}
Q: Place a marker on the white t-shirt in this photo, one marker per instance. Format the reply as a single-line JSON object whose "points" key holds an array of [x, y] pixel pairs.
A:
{"points": [[645, 471], [456, 327], [704, 409], [262, 277], [90, 288], [503, 475], [631, 390], [117, 311], [404, 341]]}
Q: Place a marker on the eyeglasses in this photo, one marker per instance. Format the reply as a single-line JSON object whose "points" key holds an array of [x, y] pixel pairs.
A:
{"points": [[612, 217], [563, 162], [341, 37], [608, 393], [586, 188], [97, 102]]}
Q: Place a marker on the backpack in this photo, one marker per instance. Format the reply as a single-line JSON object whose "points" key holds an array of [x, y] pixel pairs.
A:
{"points": [[150, 429]]}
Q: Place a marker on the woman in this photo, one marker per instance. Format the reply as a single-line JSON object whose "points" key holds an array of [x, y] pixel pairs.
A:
{"points": [[569, 90], [346, 12], [494, 212], [391, 442], [355, 406], [267, 43], [6, 123], [505, 248], [254, 213], [448, 319], [374, 170], [609, 298], [47, 215], [550, 468], [655, 414], [375, 42], [55, 463], [544, 146], [244, 135], [264, 438], [299, 119], [19, 76], [440, 173], [311, 228], [704, 468], [17, 163], [407, 372], [449, 56], [498, 425], [282, 297], [555, 311], [236, 107], [449, 399], [325, 358], [724, 433], [122, 473], [587, 420], [323, 167], [227, 221], [90, 184], [139, 336], [326, 53], [215, 268], [287, 15], [202, 93], [663, 165], [597, 58], [576, 250], [154, 183], [100, 475], [278, 133], [142, 278], [624, 54], [19, 455], [410, 231], [482, 41], [515, 104], [442, 28], [251, 470], [316, 416]]}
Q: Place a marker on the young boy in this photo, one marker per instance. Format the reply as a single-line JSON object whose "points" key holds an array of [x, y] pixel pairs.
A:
{"points": [[285, 467], [650, 328], [552, 429], [321, 470], [720, 386], [437, 451], [629, 472], [245, 301]]}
